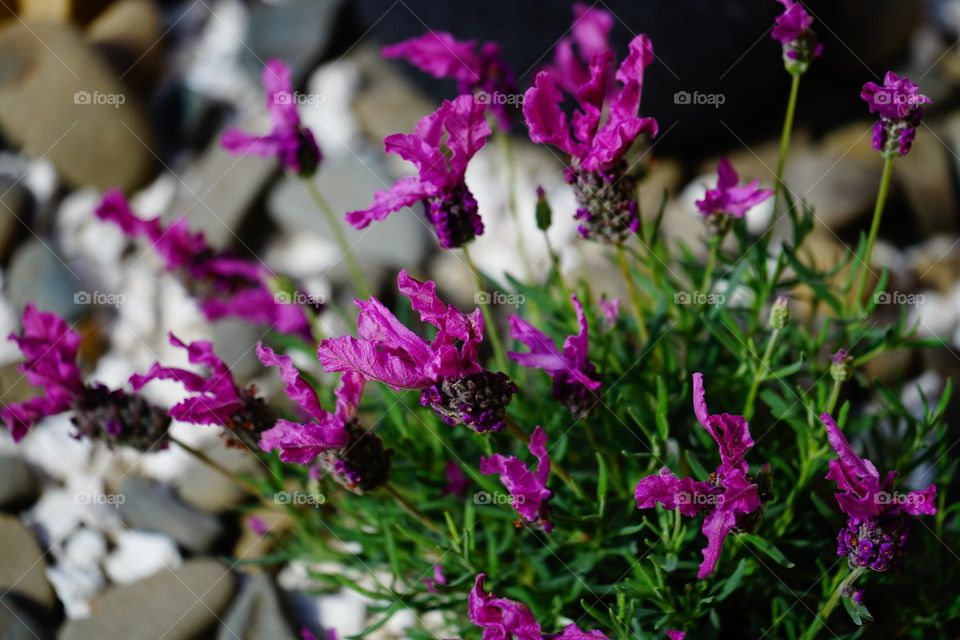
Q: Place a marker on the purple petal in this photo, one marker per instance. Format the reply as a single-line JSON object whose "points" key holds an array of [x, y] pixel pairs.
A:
{"points": [[346, 353], [545, 119], [439, 54], [302, 443], [297, 389], [715, 527], [666, 489], [730, 432], [404, 193], [858, 481]]}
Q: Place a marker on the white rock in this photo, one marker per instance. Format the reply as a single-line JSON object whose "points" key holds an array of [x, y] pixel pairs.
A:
{"points": [[76, 588], [84, 549], [140, 554]]}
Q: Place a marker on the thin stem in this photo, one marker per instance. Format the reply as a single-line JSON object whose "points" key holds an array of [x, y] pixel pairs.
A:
{"points": [[498, 351], [760, 375], [711, 265], [412, 510], [633, 293], [834, 396], [785, 136], [216, 466], [555, 261], [557, 470], [356, 273], [874, 229], [831, 604]]}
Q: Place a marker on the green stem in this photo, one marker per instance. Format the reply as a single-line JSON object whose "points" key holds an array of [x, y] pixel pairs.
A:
{"points": [[412, 510], [633, 294], [498, 351], [831, 604], [760, 375], [356, 273], [216, 466], [834, 396], [711, 264], [785, 142], [555, 262], [874, 229]]}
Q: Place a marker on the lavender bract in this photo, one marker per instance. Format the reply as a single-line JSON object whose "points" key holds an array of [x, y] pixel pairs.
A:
{"points": [[729, 199], [570, 368], [603, 182], [225, 285], [876, 530], [589, 37], [481, 72], [440, 147], [899, 104], [292, 144], [446, 370], [530, 496], [50, 350], [732, 499], [792, 30]]}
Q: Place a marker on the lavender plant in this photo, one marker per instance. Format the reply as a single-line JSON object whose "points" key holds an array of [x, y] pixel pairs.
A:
{"points": [[574, 473]]}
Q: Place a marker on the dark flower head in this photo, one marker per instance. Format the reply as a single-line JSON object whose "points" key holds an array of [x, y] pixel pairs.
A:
{"points": [[602, 180], [792, 30], [292, 144], [217, 399], [570, 367], [446, 370], [482, 72], [877, 529], [225, 285], [732, 499], [730, 199], [899, 104], [440, 147], [50, 350], [528, 488]]}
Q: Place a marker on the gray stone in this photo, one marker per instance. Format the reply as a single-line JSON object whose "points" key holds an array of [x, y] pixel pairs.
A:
{"points": [[181, 604], [297, 32], [23, 564], [256, 614], [60, 100], [38, 275], [18, 485], [147, 507], [17, 624]]}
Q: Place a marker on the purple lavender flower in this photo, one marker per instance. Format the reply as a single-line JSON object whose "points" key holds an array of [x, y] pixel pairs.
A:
{"points": [[876, 530], [528, 489], [732, 499], [446, 370], [589, 37], [224, 284], [502, 619], [899, 104], [442, 162], [50, 350], [356, 457], [437, 579], [610, 308], [217, 399], [676, 635], [792, 30], [602, 180], [729, 199], [288, 141], [483, 73], [570, 368], [457, 481]]}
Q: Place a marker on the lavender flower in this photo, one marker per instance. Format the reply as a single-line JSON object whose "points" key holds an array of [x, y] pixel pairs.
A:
{"points": [[792, 30], [602, 181], [876, 530], [437, 579], [288, 141], [732, 499], [729, 199], [502, 619], [224, 284], [589, 37], [446, 370], [50, 350], [570, 368], [610, 308], [841, 366], [217, 399], [442, 162], [457, 481], [899, 104], [355, 457], [528, 489], [483, 73]]}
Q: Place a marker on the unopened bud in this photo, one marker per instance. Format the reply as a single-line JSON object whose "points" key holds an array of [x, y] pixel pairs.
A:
{"points": [[780, 313], [544, 213], [841, 367]]}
